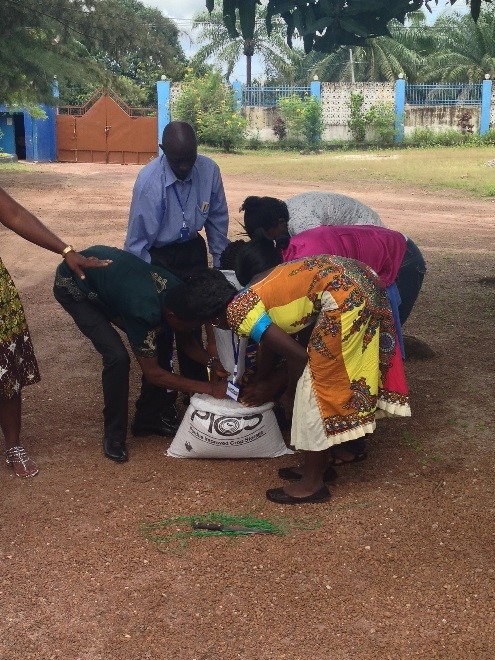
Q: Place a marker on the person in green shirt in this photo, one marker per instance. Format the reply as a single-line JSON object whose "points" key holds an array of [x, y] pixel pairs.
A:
{"points": [[132, 295]]}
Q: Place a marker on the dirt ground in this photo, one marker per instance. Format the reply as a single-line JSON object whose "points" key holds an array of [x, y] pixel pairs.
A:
{"points": [[399, 563]]}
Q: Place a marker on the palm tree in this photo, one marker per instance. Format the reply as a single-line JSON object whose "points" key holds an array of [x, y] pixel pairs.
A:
{"points": [[381, 59], [465, 50], [273, 50]]}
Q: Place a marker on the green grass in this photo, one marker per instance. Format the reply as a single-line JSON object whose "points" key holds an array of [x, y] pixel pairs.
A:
{"points": [[464, 169], [440, 168], [12, 167]]}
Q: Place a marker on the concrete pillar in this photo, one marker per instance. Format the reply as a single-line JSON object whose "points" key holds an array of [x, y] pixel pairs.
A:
{"points": [[400, 108], [315, 89], [237, 87], [486, 98], [163, 94]]}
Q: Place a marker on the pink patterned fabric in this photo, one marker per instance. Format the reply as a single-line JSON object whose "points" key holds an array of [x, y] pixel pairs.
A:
{"points": [[381, 249]]}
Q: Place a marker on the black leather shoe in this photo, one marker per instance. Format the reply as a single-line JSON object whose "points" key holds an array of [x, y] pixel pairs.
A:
{"points": [[279, 496], [164, 426], [115, 451]]}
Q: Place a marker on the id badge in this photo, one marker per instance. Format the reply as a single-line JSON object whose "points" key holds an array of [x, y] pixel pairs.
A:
{"points": [[184, 234], [233, 390]]}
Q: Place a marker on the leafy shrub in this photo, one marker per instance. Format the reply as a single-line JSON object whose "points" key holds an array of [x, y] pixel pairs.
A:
{"points": [[303, 120], [291, 112], [483, 140], [279, 128], [465, 122], [380, 119], [209, 104], [254, 142], [313, 122], [357, 121], [426, 137]]}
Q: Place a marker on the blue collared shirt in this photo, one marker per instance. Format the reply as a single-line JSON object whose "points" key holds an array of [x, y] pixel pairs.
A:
{"points": [[156, 215]]}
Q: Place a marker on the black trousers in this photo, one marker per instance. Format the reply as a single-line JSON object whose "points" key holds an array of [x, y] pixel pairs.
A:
{"points": [[93, 322], [181, 259], [410, 279]]}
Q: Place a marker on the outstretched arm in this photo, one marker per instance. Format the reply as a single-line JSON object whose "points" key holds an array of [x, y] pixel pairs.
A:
{"points": [[25, 224], [155, 375], [187, 343]]}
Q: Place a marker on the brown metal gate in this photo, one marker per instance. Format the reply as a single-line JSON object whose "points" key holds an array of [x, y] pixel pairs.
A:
{"points": [[106, 130]]}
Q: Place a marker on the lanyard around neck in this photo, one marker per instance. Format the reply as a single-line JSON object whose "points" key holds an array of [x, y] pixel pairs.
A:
{"points": [[182, 208], [236, 349]]}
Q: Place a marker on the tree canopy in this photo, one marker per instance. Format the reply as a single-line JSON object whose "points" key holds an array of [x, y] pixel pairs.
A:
{"points": [[464, 50], [83, 42], [325, 25], [278, 58]]}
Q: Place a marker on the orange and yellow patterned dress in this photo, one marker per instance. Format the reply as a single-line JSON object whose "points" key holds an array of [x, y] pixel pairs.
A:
{"points": [[354, 372], [18, 366]]}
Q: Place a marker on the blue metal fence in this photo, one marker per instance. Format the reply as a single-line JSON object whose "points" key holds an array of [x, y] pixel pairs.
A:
{"points": [[444, 94], [267, 97]]}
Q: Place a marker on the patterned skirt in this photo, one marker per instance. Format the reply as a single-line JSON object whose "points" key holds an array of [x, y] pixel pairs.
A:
{"points": [[354, 375], [18, 366]]}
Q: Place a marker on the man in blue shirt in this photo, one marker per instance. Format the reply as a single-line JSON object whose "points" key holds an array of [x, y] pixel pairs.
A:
{"points": [[175, 196]]}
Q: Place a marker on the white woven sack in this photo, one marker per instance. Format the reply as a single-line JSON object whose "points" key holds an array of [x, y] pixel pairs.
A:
{"points": [[223, 339], [316, 209], [223, 428], [225, 348], [230, 275]]}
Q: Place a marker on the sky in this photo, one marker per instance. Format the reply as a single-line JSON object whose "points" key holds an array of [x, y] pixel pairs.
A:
{"points": [[184, 10], [177, 8]]}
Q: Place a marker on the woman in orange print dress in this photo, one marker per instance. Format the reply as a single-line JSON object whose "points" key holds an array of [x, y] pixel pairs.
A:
{"points": [[351, 372]]}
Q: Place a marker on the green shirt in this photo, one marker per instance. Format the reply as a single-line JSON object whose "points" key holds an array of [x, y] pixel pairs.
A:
{"points": [[130, 291]]}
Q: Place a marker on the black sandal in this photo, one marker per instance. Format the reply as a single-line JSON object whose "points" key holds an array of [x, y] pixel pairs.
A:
{"points": [[289, 474], [279, 496], [356, 458]]}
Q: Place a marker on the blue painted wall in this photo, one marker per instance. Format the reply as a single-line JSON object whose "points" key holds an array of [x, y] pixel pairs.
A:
{"points": [[7, 140], [40, 134]]}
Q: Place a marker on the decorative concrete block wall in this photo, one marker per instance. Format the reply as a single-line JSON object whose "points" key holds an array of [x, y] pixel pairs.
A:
{"points": [[336, 104]]}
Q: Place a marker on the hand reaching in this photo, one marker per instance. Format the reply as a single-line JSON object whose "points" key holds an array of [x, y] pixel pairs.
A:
{"points": [[256, 393], [217, 371], [219, 389]]}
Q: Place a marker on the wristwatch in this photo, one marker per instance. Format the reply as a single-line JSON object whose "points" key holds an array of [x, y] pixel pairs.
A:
{"points": [[66, 250]]}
